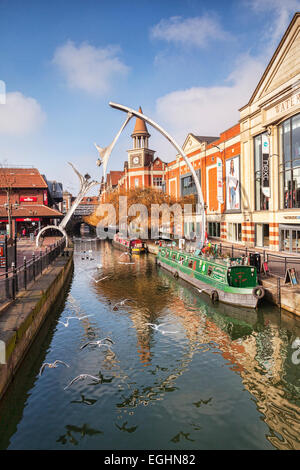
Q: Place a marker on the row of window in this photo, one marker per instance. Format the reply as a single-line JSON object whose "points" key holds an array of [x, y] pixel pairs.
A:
{"points": [[289, 166]]}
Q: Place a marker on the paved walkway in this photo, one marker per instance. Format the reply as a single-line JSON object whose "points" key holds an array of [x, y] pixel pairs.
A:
{"points": [[26, 248]]}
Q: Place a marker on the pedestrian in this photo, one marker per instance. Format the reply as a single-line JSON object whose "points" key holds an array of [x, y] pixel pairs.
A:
{"points": [[24, 232]]}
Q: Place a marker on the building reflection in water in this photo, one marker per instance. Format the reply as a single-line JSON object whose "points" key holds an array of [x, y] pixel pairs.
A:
{"points": [[255, 345]]}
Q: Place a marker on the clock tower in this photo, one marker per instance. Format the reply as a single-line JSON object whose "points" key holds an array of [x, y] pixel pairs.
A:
{"points": [[140, 156]]}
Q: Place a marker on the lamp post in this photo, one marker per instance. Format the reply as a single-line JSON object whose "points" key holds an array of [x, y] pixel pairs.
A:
{"points": [[9, 207]]}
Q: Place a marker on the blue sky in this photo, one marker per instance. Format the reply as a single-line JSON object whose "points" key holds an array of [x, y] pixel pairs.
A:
{"points": [[190, 64]]}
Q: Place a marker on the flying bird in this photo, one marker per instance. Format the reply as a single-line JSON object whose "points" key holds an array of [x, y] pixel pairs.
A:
{"points": [[102, 279], [70, 318], [157, 328], [83, 377], [123, 302], [52, 365], [99, 343]]}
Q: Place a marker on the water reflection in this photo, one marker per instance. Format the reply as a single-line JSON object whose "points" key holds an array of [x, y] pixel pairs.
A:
{"points": [[226, 378]]}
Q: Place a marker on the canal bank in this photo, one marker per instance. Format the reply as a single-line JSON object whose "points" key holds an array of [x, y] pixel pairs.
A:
{"points": [[21, 319], [277, 292]]}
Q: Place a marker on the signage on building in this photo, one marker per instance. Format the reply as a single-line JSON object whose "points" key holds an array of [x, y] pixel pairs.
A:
{"points": [[294, 100], [220, 180], [265, 170], [28, 199], [27, 219], [2, 255]]}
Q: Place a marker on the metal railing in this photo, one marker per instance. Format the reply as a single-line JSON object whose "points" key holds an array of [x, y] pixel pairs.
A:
{"points": [[16, 279], [277, 264]]}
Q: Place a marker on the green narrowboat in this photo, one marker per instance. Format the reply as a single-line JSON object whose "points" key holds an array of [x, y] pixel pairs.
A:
{"points": [[224, 280]]}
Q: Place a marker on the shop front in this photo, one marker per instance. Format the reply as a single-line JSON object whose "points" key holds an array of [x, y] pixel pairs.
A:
{"points": [[27, 225], [270, 140], [289, 238]]}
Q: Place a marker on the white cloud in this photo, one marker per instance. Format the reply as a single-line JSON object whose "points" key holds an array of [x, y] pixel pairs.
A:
{"points": [[279, 14], [89, 68], [20, 114], [195, 31], [210, 110]]}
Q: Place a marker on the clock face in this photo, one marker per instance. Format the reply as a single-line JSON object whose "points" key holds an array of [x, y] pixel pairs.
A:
{"points": [[136, 160]]}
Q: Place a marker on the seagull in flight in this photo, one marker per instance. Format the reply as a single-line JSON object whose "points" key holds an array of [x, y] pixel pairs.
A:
{"points": [[77, 318], [91, 277], [157, 328], [99, 342], [83, 377], [102, 279], [123, 302], [52, 365]]}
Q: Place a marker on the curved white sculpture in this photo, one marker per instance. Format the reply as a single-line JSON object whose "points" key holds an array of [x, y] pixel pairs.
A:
{"points": [[85, 186], [105, 152], [179, 149]]}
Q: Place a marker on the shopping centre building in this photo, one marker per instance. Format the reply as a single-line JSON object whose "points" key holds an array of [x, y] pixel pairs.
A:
{"points": [[250, 174]]}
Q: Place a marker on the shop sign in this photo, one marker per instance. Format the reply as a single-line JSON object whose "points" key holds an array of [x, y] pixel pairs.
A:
{"points": [[284, 106], [265, 165], [28, 198], [28, 219], [45, 198], [2, 255], [220, 180]]}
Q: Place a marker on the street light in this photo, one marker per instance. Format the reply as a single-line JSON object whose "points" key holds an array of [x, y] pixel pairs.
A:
{"points": [[9, 207]]}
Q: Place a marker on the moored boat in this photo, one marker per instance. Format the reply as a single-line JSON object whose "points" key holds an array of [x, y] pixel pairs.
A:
{"points": [[224, 280], [134, 246]]}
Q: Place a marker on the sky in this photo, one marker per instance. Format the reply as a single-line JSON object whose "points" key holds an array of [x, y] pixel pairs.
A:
{"points": [[189, 64]]}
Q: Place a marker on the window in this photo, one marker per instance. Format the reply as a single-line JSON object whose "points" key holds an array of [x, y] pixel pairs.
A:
{"points": [[214, 229], [289, 168], [136, 182], [261, 200], [187, 183], [234, 232], [262, 235], [157, 181]]}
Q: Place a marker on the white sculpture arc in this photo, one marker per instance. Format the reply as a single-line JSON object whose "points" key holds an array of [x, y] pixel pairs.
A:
{"points": [[179, 149], [85, 186], [105, 152]]}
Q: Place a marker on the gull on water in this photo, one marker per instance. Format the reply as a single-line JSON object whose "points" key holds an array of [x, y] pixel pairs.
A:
{"points": [[122, 262], [77, 318], [157, 328], [83, 377], [52, 365]]}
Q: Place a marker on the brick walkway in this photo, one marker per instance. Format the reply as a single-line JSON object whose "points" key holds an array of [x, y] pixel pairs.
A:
{"points": [[26, 248]]}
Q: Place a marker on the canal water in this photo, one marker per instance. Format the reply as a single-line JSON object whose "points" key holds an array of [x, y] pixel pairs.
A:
{"points": [[202, 376]]}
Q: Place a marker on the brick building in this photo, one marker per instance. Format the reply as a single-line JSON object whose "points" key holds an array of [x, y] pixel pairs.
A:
{"points": [[24, 201]]}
